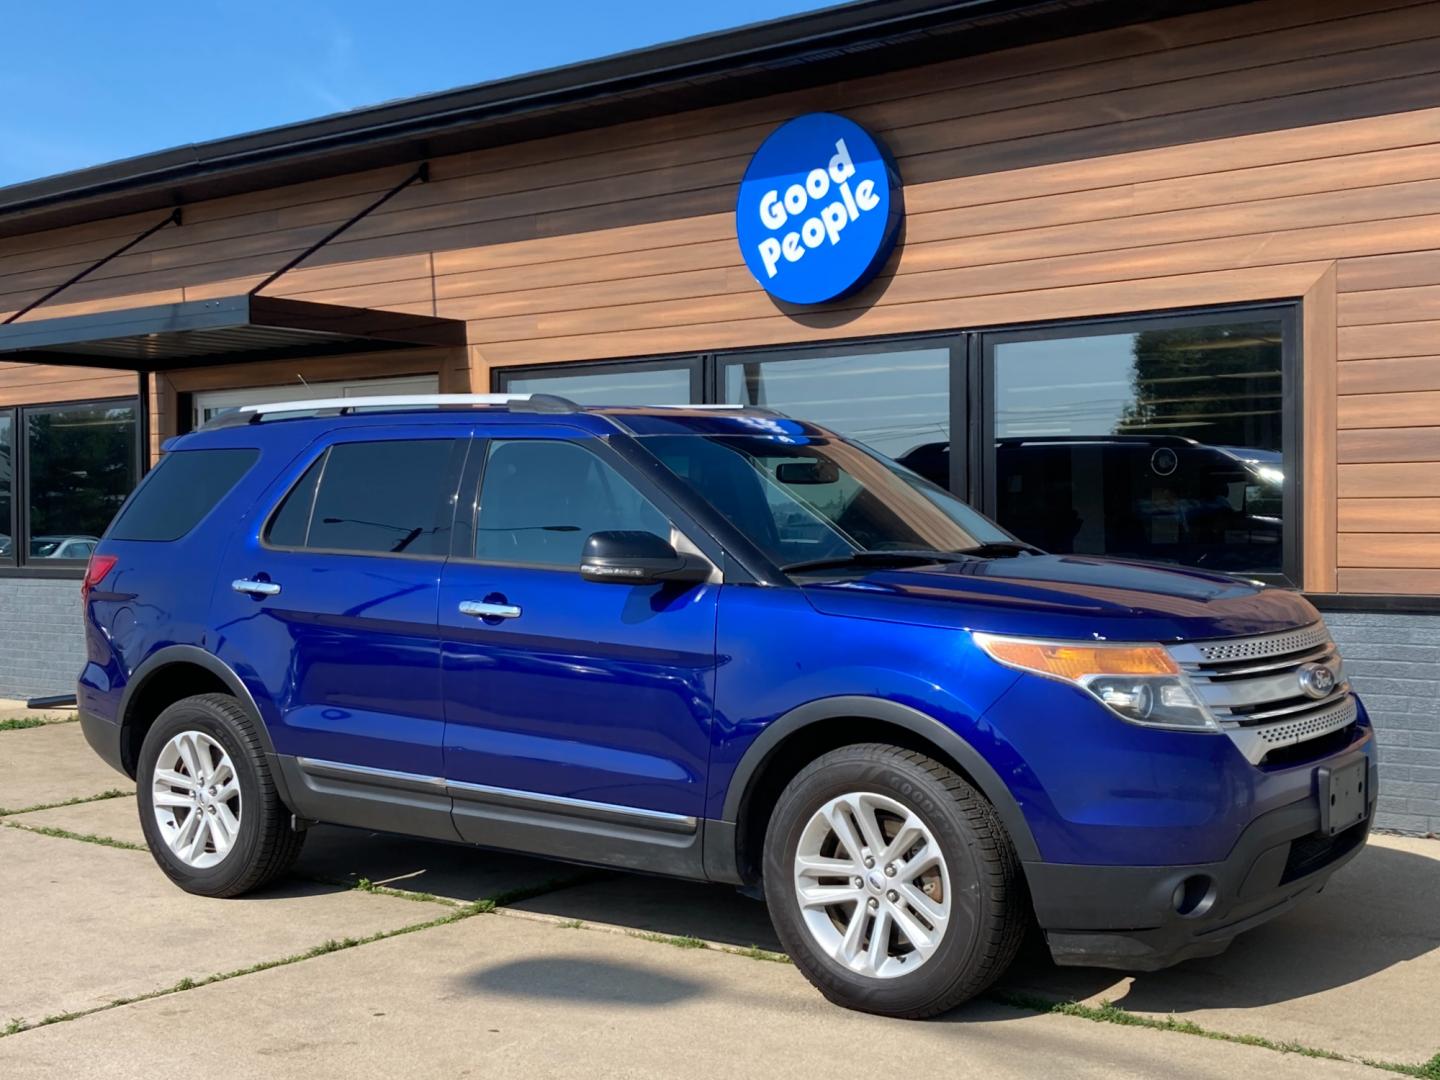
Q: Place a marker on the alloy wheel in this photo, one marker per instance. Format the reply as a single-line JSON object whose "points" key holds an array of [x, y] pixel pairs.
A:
{"points": [[195, 796], [872, 885]]}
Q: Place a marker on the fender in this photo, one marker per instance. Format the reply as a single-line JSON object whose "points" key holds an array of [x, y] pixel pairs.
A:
{"points": [[966, 756], [157, 661]]}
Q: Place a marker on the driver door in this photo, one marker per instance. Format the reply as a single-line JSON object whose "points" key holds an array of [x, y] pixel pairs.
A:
{"points": [[578, 713]]}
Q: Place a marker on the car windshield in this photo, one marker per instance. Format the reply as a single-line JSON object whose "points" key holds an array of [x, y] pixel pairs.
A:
{"points": [[825, 501]]}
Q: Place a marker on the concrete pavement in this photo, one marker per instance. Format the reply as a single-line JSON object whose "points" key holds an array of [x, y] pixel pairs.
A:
{"points": [[535, 990], [501, 997]]}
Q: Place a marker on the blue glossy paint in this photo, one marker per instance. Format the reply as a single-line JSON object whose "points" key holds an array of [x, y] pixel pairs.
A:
{"points": [[650, 697], [818, 210]]}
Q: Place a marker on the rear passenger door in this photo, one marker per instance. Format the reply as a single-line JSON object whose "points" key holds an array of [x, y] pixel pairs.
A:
{"points": [[328, 598], [579, 716]]}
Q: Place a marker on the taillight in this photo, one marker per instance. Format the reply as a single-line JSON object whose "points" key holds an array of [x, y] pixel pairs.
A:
{"points": [[95, 571]]}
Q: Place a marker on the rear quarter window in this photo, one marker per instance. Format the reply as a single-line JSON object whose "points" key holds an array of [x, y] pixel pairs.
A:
{"points": [[184, 487]]}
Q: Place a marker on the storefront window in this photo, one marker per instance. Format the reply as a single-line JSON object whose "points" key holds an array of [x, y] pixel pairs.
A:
{"points": [[641, 383], [80, 464], [895, 399], [7, 487], [1160, 441]]}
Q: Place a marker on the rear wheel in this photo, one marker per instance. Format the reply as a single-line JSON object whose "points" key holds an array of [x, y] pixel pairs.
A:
{"points": [[891, 882], [208, 805]]}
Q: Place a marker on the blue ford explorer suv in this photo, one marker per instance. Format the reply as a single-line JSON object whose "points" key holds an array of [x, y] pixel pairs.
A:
{"points": [[716, 644]]}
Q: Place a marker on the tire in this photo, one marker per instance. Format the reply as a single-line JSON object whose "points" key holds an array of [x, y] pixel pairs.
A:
{"points": [[954, 950], [206, 843]]}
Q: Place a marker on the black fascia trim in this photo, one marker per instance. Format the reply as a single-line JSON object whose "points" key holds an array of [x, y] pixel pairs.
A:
{"points": [[1376, 603], [320, 326]]}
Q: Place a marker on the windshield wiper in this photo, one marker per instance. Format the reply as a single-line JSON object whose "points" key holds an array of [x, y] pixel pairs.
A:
{"points": [[992, 549], [898, 557]]}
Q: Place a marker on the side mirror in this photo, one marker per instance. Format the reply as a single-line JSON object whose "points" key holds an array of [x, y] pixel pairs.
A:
{"points": [[632, 557]]}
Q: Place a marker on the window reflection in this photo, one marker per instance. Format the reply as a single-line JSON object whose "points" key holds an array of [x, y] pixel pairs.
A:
{"points": [[80, 466], [1162, 444], [7, 474], [665, 386], [894, 401]]}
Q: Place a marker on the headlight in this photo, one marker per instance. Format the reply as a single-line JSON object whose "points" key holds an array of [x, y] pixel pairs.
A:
{"points": [[1138, 683]]}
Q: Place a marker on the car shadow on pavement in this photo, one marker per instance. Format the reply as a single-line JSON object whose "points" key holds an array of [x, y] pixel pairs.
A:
{"points": [[1377, 912], [582, 979]]}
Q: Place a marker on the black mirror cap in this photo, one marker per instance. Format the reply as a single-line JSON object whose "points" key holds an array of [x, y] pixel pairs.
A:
{"points": [[635, 557]]}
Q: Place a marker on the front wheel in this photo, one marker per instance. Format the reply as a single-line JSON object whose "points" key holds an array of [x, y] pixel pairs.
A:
{"points": [[208, 805], [891, 882]]}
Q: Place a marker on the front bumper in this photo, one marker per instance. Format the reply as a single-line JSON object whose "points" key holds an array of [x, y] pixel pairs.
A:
{"points": [[1127, 916]]}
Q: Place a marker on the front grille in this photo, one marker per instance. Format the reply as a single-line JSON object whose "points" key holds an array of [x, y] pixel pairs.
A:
{"points": [[1253, 688]]}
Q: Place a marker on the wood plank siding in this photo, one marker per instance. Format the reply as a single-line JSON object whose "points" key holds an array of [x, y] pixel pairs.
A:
{"points": [[1268, 151]]}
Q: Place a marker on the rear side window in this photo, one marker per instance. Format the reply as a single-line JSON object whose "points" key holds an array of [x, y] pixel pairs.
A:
{"points": [[395, 497], [184, 487]]}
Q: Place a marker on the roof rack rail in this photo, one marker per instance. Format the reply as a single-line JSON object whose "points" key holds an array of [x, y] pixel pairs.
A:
{"points": [[249, 414]]}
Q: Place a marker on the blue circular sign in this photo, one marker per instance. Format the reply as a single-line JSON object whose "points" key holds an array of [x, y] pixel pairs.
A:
{"points": [[819, 209]]}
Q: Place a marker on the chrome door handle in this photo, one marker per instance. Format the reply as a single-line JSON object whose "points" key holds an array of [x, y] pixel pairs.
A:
{"points": [[255, 588], [483, 610]]}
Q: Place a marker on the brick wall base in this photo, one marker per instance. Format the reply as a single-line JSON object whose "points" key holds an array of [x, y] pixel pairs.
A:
{"points": [[42, 645]]}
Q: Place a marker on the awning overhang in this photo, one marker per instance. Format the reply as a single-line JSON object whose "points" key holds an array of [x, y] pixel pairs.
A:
{"points": [[228, 330]]}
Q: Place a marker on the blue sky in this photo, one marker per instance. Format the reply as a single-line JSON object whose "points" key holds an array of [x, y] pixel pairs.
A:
{"points": [[86, 81]]}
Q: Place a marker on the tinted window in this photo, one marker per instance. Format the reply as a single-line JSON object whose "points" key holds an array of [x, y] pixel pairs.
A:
{"points": [[540, 499], [182, 489], [291, 523], [393, 497], [1161, 444], [80, 468]]}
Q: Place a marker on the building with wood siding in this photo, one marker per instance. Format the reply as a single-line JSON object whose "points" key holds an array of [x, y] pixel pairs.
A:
{"points": [[1127, 227]]}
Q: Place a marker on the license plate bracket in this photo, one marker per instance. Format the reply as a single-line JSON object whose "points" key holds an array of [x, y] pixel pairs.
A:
{"points": [[1344, 795]]}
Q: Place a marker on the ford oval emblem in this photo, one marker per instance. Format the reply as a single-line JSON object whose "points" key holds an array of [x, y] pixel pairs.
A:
{"points": [[1317, 680]]}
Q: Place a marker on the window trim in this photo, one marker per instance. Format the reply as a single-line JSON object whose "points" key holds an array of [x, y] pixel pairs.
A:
{"points": [[19, 563]]}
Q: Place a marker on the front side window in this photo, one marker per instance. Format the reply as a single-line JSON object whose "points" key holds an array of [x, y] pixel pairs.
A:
{"points": [[392, 497], [804, 500], [540, 499], [80, 465], [1159, 441]]}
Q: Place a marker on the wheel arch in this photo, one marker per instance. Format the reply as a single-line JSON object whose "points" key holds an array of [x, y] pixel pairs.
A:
{"points": [[170, 674], [785, 746]]}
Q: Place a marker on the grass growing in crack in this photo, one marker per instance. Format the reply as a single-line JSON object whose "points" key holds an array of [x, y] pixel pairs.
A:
{"points": [[754, 952], [113, 793], [368, 886], [572, 924], [680, 941], [1108, 1012], [66, 834], [466, 911], [20, 723]]}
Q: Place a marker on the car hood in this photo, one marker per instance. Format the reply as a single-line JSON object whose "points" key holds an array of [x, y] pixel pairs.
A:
{"points": [[1064, 596]]}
